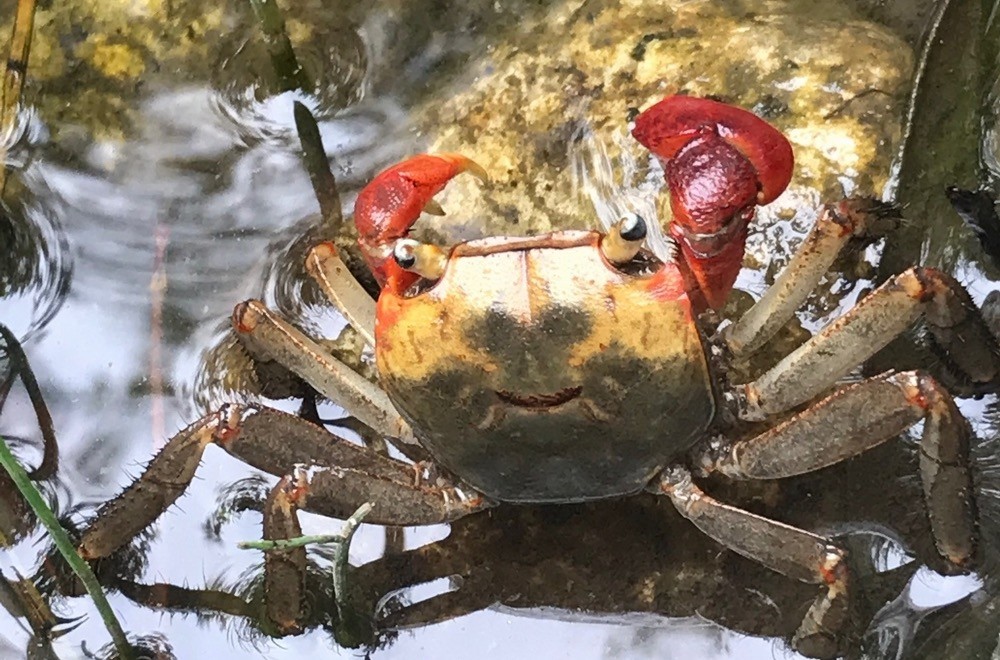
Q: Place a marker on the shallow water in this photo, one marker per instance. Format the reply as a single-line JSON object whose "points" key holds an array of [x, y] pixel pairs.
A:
{"points": [[146, 230]]}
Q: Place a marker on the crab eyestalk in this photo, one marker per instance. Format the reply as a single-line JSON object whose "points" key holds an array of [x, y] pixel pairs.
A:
{"points": [[720, 162], [388, 206], [425, 260], [624, 239]]}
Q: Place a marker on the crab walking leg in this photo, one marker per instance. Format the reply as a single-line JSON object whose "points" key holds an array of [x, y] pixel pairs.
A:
{"points": [[439, 609], [953, 319], [281, 444], [331, 273], [859, 417], [838, 224], [284, 343], [284, 569], [165, 479], [170, 597], [793, 552], [333, 477]]}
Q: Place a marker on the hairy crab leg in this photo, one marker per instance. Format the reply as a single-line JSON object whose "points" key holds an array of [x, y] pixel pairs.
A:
{"points": [[279, 340], [170, 597], [790, 551], [438, 609], [342, 289], [164, 480], [859, 417], [954, 321], [332, 476], [838, 224]]}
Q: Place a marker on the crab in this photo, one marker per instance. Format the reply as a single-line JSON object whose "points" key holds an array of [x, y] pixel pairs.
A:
{"points": [[577, 366]]}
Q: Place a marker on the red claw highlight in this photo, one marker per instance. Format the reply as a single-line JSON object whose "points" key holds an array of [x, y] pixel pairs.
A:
{"points": [[388, 206], [720, 162], [671, 124]]}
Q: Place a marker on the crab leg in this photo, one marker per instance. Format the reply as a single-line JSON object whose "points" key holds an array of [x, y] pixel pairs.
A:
{"points": [[342, 289], [859, 417], [285, 569], [340, 476], [165, 479], [281, 341], [953, 319], [441, 608], [170, 597], [332, 476], [838, 224], [787, 550]]}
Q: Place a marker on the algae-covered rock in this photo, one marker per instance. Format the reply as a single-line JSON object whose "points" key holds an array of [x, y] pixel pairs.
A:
{"points": [[547, 110]]}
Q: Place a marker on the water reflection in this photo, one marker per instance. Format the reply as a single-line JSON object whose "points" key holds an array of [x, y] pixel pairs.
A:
{"points": [[333, 59], [35, 262], [36, 267], [637, 566]]}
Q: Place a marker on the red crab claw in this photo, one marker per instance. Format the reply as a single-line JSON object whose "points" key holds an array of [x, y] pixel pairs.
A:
{"points": [[720, 162], [388, 206]]}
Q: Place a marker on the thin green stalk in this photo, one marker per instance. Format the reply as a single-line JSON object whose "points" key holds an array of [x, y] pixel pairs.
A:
{"points": [[279, 47], [340, 552], [66, 548], [343, 537], [288, 544], [341, 546]]}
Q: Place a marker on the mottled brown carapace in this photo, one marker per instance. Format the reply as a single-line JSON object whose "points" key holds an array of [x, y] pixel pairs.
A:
{"points": [[538, 371]]}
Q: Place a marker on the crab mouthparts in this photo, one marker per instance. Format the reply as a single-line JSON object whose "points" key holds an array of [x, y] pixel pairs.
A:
{"points": [[539, 400]]}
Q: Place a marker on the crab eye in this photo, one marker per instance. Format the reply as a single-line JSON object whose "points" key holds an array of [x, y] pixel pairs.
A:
{"points": [[427, 261], [632, 227], [623, 240], [405, 254]]}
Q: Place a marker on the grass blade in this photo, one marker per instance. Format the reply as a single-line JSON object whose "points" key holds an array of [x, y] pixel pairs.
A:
{"points": [[66, 548]]}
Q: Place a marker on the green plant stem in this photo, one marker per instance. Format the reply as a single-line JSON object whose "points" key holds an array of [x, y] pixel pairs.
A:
{"points": [[288, 544], [314, 156], [66, 549], [342, 537], [341, 547], [340, 552], [279, 47]]}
